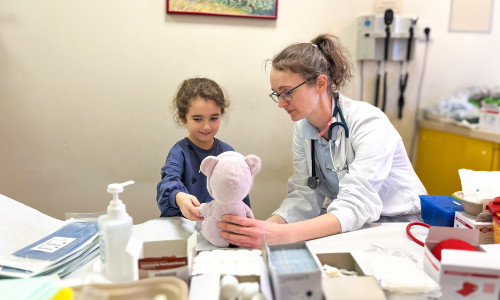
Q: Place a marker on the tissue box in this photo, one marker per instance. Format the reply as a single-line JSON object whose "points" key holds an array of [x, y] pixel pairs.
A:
{"points": [[439, 210], [485, 228], [462, 274]]}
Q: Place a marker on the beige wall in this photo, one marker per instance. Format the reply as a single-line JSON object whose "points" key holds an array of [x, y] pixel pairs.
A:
{"points": [[85, 88]]}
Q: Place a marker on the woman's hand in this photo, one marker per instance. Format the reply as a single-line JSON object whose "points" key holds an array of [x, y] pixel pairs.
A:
{"points": [[248, 233], [188, 203]]}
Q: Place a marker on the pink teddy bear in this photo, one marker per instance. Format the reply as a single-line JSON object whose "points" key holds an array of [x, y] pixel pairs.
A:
{"points": [[229, 180]]}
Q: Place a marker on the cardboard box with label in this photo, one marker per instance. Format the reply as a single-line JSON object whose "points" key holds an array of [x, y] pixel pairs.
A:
{"points": [[462, 274], [157, 258], [485, 228]]}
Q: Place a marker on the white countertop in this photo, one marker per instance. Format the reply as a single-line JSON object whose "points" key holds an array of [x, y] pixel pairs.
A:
{"points": [[460, 130]]}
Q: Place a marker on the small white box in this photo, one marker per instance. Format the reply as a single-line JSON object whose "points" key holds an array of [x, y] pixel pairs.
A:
{"points": [[462, 274], [485, 228], [489, 120], [210, 267], [289, 283], [341, 288], [165, 257], [469, 275]]}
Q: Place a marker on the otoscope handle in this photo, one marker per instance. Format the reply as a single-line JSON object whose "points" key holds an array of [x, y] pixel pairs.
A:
{"points": [[377, 90], [410, 40], [401, 102], [387, 39], [384, 92]]}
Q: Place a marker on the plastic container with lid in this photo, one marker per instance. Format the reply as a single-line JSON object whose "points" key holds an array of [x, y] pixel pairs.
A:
{"points": [[439, 210]]}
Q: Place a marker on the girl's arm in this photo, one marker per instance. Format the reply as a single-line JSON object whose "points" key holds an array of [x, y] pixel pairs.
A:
{"points": [[171, 184], [188, 205], [248, 233]]}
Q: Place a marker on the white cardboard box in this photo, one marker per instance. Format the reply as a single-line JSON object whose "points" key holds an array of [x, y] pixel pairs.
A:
{"points": [[206, 285], [462, 274], [341, 288], [470, 275], [294, 284], [165, 257], [485, 228], [489, 120]]}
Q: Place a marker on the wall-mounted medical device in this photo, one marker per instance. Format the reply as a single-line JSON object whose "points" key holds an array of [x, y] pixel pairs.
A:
{"points": [[372, 32]]}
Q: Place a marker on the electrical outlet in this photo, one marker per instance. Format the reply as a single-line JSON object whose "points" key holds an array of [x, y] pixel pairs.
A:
{"points": [[420, 29]]}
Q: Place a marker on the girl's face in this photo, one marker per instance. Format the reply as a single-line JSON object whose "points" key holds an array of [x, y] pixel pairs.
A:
{"points": [[203, 121], [303, 97]]}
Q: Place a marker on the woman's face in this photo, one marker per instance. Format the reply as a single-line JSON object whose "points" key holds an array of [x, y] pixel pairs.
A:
{"points": [[303, 98]]}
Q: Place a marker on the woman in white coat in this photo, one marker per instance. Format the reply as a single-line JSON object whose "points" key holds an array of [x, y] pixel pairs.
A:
{"points": [[358, 169]]}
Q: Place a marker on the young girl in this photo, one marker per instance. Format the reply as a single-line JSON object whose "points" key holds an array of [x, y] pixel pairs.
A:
{"points": [[199, 105]]}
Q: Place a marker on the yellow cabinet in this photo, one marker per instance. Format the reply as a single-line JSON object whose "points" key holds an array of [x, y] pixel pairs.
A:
{"points": [[444, 149]]}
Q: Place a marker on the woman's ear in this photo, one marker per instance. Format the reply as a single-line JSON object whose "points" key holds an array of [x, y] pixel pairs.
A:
{"points": [[321, 83]]}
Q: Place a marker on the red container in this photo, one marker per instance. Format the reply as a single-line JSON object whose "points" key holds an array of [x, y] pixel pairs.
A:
{"points": [[494, 208]]}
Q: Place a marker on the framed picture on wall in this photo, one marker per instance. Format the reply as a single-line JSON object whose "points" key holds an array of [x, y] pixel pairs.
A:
{"points": [[265, 9]]}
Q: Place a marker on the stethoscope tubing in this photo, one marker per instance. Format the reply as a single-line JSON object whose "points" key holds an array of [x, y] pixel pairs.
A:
{"points": [[408, 231], [314, 181]]}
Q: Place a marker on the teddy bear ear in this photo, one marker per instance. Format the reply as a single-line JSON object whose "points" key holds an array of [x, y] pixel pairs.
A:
{"points": [[254, 162], [208, 164]]}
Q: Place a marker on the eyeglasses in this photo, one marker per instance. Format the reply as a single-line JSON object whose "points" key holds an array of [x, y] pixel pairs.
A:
{"points": [[286, 95]]}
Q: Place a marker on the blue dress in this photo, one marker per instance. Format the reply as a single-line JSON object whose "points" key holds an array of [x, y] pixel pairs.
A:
{"points": [[181, 173]]}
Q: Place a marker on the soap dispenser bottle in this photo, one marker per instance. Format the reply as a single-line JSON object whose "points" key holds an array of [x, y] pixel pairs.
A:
{"points": [[115, 229]]}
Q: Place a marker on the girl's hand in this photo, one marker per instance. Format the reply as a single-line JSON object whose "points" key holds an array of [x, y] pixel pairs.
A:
{"points": [[188, 203], [248, 233]]}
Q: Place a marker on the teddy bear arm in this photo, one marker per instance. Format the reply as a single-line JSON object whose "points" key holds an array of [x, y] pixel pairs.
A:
{"points": [[205, 209], [248, 212]]}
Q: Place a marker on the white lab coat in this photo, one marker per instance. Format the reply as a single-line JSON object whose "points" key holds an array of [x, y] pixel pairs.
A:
{"points": [[380, 182]]}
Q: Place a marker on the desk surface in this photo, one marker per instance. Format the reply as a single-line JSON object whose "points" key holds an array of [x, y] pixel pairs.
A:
{"points": [[391, 236], [386, 235]]}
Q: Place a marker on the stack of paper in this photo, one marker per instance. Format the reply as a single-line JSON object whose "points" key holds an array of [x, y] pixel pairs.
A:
{"points": [[61, 252]]}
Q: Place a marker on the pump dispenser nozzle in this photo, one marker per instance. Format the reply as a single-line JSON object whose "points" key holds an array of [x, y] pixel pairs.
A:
{"points": [[116, 208], [116, 188]]}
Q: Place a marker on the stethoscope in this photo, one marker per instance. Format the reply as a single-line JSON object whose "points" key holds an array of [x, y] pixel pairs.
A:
{"points": [[314, 181]]}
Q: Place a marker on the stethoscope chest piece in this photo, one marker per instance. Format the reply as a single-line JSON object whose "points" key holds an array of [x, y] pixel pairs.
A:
{"points": [[313, 182]]}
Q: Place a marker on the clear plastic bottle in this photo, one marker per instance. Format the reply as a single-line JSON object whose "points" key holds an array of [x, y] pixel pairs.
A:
{"points": [[115, 229]]}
